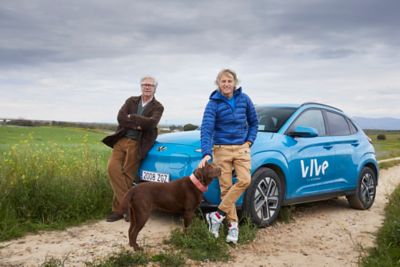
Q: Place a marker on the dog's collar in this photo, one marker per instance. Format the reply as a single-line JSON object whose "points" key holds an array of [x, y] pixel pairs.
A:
{"points": [[197, 183]]}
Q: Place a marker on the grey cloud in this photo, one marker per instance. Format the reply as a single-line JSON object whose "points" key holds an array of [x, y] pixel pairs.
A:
{"points": [[335, 53], [284, 51], [13, 56], [76, 30]]}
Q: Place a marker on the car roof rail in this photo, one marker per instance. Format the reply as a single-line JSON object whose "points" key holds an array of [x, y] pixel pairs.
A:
{"points": [[316, 103]]}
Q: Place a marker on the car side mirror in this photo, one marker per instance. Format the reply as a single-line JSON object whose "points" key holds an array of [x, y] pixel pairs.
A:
{"points": [[302, 131]]}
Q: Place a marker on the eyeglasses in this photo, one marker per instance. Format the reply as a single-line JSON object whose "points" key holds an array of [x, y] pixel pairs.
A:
{"points": [[147, 85]]}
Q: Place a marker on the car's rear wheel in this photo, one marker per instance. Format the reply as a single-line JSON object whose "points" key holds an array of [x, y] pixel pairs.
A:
{"points": [[264, 197], [365, 192]]}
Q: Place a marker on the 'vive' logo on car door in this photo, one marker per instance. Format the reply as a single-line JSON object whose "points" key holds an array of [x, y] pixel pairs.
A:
{"points": [[313, 169]]}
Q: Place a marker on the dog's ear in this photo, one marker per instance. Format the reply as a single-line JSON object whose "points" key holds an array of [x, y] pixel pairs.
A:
{"points": [[197, 172], [200, 173], [206, 165]]}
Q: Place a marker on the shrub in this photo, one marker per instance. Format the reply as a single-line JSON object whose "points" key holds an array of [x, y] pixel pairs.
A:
{"points": [[381, 137], [190, 127]]}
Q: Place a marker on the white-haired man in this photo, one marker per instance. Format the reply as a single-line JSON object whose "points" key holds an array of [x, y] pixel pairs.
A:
{"points": [[137, 130]]}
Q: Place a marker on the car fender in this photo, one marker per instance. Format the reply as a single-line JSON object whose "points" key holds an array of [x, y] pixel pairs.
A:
{"points": [[368, 159], [270, 158]]}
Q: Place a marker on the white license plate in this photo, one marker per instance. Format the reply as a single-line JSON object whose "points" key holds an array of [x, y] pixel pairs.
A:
{"points": [[155, 177]]}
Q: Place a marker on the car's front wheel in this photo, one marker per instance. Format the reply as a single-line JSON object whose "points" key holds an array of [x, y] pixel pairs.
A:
{"points": [[264, 197], [365, 192]]}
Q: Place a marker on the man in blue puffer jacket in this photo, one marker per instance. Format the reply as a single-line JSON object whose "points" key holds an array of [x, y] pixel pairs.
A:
{"points": [[229, 127]]}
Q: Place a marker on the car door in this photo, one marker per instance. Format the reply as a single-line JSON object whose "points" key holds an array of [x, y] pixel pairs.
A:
{"points": [[346, 143], [310, 159]]}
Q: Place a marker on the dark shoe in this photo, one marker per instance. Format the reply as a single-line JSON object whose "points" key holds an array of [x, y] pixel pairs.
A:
{"points": [[114, 217]]}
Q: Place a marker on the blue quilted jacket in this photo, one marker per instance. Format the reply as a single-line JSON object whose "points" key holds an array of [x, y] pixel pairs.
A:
{"points": [[223, 125]]}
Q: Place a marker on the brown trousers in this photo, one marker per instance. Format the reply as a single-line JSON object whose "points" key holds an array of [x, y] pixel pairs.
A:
{"points": [[122, 169], [238, 157]]}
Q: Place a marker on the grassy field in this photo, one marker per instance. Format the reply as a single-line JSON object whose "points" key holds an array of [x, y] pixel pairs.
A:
{"points": [[50, 178], [388, 148]]}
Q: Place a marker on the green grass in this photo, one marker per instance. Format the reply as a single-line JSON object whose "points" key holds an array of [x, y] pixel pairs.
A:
{"points": [[127, 258], [198, 244], [50, 178], [248, 231], [388, 148], [169, 259], [387, 252], [286, 214], [387, 165], [52, 262], [124, 258]]}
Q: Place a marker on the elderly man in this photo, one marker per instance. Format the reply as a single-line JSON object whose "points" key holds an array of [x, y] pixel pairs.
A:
{"points": [[135, 135]]}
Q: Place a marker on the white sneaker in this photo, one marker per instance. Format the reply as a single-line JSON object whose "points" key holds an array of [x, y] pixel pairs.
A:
{"points": [[233, 233], [214, 220]]}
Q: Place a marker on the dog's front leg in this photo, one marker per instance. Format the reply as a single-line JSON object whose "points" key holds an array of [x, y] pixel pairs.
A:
{"points": [[187, 218]]}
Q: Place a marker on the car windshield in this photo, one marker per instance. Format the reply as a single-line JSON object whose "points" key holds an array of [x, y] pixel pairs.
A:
{"points": [[271, 119]]}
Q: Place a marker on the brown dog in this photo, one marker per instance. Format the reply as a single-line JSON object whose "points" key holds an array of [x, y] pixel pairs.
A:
{"points": [[182, 196]]}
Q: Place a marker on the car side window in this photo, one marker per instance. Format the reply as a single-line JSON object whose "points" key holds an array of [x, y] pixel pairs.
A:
{"points": [[311, 118], [353, 128], [337, 124]]}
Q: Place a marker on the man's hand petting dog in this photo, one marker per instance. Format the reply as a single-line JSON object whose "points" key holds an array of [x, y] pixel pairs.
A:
{"points": [[182, 196]]}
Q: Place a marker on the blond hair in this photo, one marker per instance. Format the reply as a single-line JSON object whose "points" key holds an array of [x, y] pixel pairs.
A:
{"points": [[227, 71]]}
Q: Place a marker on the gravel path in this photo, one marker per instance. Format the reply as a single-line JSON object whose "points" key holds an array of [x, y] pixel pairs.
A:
{"points": [[327, 233]]}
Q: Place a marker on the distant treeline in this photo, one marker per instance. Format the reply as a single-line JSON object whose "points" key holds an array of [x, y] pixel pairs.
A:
{"points": [[89, 125], [374, 131]]}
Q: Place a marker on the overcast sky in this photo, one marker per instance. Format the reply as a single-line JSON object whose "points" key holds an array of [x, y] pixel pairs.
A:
{"points": [[80, 60]]}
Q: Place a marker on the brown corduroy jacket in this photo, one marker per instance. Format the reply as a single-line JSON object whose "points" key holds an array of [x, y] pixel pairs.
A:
{"points": [[147, 123]]}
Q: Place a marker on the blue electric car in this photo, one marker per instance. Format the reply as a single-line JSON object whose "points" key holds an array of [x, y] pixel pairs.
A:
{"points": [[302, 153]]}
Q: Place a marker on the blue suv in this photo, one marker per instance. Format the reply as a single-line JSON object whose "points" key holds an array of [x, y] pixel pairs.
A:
{"points": [[302, 153]]}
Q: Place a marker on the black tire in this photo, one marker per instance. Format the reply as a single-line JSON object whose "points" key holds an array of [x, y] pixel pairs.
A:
{"points": [[263, 197], [365, 192]]}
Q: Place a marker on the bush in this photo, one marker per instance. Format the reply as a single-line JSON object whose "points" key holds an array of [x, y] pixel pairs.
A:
{"points": [[190, 127], [381, 137]]}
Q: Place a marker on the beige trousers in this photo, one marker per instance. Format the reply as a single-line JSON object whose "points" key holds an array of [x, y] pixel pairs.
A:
{"points": [[228, 157], [122, 169]]}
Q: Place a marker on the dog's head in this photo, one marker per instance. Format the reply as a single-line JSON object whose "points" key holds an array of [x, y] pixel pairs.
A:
{"points": [[207, 173]]}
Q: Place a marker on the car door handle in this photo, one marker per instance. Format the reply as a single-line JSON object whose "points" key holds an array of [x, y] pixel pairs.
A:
{"points": [[328, 146], [355, 143]]}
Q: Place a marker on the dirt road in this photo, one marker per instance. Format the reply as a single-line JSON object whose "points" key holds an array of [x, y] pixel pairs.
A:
{"points": [[326, 233]]}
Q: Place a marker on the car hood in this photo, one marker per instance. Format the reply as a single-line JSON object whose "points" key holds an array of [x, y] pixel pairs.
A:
{"points": [[190, 138]]}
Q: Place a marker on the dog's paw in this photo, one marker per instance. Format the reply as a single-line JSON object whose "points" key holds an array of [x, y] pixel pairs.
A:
{"points": [[137, 248]]}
